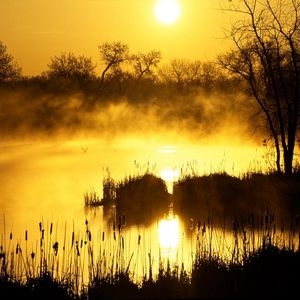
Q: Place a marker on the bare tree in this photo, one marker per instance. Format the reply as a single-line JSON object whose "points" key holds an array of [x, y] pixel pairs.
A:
{"points": [[144, 63], [266, 56], [113, 55], [72, 67], [9, 70], [181, 72]]}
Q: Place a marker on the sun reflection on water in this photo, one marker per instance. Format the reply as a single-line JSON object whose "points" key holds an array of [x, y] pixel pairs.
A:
{"points": [[169, 233]]}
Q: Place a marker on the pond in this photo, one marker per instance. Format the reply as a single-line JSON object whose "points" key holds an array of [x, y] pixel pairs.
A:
{"points": [[42, 186]]}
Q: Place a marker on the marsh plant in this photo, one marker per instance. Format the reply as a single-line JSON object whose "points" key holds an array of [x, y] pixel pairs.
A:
{"points": [[87, 265]]}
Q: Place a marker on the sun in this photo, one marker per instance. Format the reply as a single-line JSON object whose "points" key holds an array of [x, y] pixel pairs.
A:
{"points": [[168, 174], [167, 11]]}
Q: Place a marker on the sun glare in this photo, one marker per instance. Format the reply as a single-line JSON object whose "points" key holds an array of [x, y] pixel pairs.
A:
{"points": [[169, 175], [168, 231], [167, 11]]}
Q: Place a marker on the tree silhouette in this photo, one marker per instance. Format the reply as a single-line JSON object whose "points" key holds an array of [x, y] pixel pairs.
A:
{"points": [[112, 55], [182, 73], [143, 63], [72, 67], [267, 57], [9, 70]]}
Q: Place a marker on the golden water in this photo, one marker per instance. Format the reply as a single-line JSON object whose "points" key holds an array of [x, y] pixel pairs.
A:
{"points": [[46, 181]]}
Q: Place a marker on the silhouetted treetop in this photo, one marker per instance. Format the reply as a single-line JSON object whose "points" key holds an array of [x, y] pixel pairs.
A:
{"points": [[112, 55], [144, 63], [9, 69], [70, 66]]}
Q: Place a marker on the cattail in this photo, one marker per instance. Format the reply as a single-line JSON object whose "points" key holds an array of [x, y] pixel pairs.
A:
{"points": [[72, 243], [55, 248], [102, 236], [90, 235], [40, 225], [86, 222], [81, 243], [115, 236], [122, 239], [139, 240], [10, 236], [51, 227], [32, 255], [25, 235], [43, 231]]}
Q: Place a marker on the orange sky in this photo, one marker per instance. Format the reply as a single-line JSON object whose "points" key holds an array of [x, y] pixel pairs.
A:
{"points": [[35, 30]]}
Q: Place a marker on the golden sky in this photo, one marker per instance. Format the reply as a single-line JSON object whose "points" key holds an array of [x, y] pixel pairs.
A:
{"points": [[35, 30]]}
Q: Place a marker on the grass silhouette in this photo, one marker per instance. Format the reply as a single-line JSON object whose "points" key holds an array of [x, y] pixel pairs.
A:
{"points": [[262, 261]]}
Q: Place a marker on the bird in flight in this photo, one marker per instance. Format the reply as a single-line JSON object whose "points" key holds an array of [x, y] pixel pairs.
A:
{"points": [[84, 149]]}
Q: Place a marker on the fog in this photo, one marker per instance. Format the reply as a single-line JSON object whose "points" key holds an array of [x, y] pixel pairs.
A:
{"points": [[56, 146], [201, 117]]}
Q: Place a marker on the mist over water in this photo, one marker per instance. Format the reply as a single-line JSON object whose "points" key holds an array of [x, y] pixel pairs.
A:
{"points": [[49, 179], [55, 149]]}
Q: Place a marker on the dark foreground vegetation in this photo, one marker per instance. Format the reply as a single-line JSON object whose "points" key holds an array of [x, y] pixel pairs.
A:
{"points": [[224, 197], [270, 270], [144, 198], [261, 260]]}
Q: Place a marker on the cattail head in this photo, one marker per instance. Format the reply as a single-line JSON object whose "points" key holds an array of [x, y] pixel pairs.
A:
{"points": [[10, 236], [25, 235], [55, 248], [51, 227], [32, 255]]}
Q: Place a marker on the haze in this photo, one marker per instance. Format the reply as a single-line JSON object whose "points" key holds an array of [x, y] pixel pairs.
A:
{"points": [[35, 30]]}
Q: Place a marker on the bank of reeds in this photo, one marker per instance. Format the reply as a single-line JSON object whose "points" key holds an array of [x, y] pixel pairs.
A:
{"points": [[262, 260]]}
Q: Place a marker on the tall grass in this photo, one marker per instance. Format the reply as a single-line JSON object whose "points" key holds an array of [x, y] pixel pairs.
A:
{"points": [[238, 261]]}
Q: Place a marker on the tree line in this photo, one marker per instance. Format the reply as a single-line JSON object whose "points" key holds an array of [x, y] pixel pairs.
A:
{"points": [[118, 67]]}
